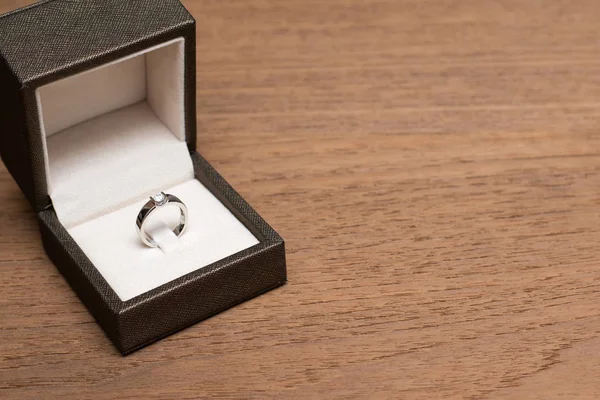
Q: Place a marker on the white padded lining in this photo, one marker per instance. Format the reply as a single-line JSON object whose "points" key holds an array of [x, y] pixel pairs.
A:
{"points": [[112, 160], [114, 136], [131, 269], [155, 74], [82, 97]]}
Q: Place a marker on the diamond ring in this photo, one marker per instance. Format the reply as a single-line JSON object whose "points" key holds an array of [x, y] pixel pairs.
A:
{"points": [[158, 201]]}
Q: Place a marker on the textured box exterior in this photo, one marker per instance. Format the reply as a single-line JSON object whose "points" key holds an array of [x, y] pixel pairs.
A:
{"points": [[58, 38]]}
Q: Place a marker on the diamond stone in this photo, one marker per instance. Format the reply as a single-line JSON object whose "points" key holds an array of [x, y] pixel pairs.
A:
{"points": [[159, 198]]}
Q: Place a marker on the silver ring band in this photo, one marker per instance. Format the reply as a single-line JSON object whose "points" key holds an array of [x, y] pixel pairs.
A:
{"points": [[157, 201]]}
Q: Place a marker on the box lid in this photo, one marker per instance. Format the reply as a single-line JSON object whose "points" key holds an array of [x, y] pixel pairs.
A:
{"points": [[55, 39]]}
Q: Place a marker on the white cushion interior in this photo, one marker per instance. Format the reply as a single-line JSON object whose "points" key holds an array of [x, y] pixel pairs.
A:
{"points": [[110, 161], [114, 136], [131, 268]]}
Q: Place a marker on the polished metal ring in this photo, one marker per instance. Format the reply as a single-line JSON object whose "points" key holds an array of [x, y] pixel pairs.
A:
{"points": [[158, 201]]}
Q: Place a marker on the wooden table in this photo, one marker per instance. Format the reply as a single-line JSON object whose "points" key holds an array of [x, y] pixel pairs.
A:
{"points": [[434, 167]]}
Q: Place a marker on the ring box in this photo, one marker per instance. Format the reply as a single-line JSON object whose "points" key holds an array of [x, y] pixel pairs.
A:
{"points": [[97, 113]]}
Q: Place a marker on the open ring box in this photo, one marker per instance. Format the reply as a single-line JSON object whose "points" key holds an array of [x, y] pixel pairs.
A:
{"points": [[97, 113]]}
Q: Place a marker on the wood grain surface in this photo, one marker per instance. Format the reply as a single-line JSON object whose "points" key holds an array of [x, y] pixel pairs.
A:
{"points": [[434, 166]]}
